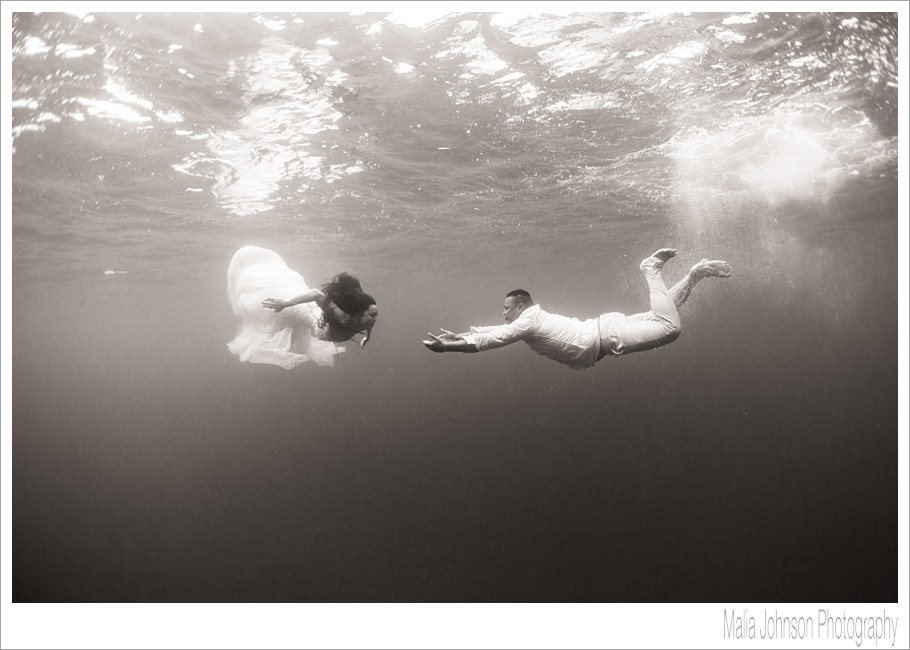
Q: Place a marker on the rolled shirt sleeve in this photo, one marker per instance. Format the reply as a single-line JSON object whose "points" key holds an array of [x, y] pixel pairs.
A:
{"points": [[478, 329]]}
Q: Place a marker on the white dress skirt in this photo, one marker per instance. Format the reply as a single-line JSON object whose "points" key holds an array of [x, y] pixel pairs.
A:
{"points": [[286, 338]]}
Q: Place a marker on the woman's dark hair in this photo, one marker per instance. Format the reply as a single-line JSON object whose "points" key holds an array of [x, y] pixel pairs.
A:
{"points": [[345, 291]]}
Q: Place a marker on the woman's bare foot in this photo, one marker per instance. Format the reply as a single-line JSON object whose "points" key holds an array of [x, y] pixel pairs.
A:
{"points": [[657, 259], [711, 269]]}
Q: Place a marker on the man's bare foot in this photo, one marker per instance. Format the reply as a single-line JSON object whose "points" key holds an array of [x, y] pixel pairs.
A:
{"points": [[711, 269], [657, 259]]}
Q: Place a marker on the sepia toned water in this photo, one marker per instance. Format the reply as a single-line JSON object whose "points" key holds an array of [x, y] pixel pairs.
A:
{"points": [[446, 159]]}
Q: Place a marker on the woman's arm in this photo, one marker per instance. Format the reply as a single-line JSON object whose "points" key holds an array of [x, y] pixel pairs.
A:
{"points": [[310, 296]]}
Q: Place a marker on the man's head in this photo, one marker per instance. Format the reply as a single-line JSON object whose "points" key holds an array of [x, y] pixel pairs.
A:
{"points": [[516, 302]]}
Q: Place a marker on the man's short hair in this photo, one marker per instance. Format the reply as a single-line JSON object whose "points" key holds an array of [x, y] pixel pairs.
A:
{"points": [[522, 295]]}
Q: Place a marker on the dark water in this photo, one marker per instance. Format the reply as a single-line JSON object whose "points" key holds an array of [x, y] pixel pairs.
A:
{"points": [[445, 163]]}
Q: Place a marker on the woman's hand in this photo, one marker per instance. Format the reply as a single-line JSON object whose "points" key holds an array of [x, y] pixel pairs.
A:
{"points": [[275, 303], [363, 341]]}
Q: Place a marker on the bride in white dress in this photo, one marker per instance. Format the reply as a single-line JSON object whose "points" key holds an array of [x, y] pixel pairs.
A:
{"points": [[283, 321]]}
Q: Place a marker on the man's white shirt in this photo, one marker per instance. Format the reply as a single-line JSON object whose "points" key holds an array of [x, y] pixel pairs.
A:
{"points": [[569, 341]]}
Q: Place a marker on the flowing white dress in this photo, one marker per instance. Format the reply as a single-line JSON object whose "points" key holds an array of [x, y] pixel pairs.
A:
{"points": [[286, 338]]}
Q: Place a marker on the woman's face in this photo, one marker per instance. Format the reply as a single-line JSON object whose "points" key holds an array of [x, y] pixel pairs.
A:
{"points": [[371, 314]]}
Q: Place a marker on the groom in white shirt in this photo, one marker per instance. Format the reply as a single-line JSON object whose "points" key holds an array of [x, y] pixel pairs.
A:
{"points": [[580, 344]]}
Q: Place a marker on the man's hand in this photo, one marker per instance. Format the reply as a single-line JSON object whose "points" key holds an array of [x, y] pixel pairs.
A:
{"points": [[437, 343]]}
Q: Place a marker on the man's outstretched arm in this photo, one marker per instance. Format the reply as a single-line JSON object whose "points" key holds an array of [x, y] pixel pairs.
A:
{"points": [[481, 338]]}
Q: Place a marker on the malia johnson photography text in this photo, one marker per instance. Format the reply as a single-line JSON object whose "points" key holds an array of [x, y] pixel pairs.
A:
{"points": [[774, 625]]}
